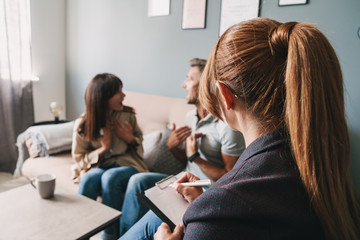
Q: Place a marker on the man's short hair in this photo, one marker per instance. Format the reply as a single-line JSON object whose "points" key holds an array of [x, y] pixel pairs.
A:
{"points": [[198, 62]]}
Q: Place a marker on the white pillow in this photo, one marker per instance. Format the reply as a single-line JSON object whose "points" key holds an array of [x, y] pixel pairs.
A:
{"points": [[44, 140], [150, 145]]}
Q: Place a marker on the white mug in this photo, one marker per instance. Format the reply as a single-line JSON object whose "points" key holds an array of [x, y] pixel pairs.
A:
{"points": [[45, 184]]}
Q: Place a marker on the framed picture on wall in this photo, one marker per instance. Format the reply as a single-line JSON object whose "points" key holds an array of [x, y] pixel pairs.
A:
{"points": [[235, 11], [158, 8], [194, 14], [291, 2]]}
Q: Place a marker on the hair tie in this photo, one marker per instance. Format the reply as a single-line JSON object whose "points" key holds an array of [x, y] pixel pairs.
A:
{"points": [[279, 38]]}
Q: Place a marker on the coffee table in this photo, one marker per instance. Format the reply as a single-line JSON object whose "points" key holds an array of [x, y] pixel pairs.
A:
{"points": [[24, 215]]}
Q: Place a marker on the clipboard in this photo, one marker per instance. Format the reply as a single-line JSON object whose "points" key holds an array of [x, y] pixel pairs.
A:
{"points": [[165, 202]]}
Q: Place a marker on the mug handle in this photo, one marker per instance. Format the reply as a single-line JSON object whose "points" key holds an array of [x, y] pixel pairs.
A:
{"points": [[32, 180]]}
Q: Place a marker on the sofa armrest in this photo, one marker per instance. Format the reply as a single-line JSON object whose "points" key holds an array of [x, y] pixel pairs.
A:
{"points": [[55, 164]]}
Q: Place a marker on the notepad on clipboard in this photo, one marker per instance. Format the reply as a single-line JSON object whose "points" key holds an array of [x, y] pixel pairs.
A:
{"points": [[165, 202]]}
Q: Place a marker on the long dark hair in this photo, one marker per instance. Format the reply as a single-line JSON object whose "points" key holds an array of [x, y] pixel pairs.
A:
{"points": [[288, 75], [100, 89]]}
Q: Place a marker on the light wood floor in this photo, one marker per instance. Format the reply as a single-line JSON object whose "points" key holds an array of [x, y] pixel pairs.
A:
{"points": [[8, 181]]}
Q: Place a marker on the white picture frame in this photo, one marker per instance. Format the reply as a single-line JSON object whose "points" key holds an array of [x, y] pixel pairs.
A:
{"points": [[235, 11], [292, 2], [158, 8], [194, 14]]}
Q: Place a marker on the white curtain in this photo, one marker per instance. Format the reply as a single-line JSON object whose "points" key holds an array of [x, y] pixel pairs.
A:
{"points": [[16, 104]]}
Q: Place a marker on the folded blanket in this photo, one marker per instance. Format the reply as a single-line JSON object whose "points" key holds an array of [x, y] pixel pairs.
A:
{"points": [[42, 141]]}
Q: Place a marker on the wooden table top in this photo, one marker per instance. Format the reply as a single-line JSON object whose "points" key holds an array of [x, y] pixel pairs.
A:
{"points": [[24, 215]]}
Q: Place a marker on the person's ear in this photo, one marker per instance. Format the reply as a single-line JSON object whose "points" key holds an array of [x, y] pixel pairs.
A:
{"points": [[227, 94]]}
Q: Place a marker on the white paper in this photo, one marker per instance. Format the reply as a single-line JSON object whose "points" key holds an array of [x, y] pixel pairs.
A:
{"points": [[158, 8], [170, 203], [235, 11], [194, 14]]}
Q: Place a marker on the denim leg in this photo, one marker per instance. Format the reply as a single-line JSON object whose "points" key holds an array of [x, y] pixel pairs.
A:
{"points": [[145, 228], [133, 209], [90, 183], [113, 183]]}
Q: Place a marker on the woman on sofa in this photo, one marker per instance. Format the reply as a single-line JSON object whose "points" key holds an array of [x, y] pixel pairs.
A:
{"points": [[107, 144], [280, 84]]}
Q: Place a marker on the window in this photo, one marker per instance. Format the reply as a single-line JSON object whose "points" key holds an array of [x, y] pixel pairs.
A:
{"points": [[15, 38]]}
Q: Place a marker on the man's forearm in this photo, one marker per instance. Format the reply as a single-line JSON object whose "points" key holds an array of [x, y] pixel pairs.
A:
{"points": [[212, 171]]}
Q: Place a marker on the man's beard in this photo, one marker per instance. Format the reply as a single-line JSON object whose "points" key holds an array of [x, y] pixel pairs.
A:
{"points": [[193, 101]]}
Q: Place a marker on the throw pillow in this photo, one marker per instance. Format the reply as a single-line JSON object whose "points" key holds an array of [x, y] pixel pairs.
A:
{"points": [[150, 145], [164, 161], [44, 140]]}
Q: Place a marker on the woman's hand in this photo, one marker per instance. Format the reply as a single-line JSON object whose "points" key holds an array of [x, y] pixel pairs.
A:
{"points": [[188, 193], [124, 131], [191, 143], [164, 232], [105, 140]]}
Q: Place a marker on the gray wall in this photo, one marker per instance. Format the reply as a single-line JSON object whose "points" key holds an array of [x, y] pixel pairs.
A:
{"points": [[151, 54], [48, 56]]}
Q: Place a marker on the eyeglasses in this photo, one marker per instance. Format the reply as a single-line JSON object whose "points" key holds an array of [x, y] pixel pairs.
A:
{"points": [[228, 86]]}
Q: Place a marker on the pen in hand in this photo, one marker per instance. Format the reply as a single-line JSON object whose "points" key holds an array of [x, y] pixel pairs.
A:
{"points": [[190, 193], [198, 183]]}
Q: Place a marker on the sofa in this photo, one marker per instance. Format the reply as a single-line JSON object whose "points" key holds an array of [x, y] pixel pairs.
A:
{"points": [[47, 149]]}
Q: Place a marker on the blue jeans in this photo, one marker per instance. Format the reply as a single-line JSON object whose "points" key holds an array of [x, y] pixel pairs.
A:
{"points": [[133, 209], [145, 228], [108, 183]]}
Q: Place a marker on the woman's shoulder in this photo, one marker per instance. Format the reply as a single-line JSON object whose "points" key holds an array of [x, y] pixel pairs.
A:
{"points": [[126, 114], [128, 109], [78, 122]]}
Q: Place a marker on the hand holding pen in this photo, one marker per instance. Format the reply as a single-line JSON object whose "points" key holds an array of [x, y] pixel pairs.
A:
{"points": [[198, 183], [188, 193]]}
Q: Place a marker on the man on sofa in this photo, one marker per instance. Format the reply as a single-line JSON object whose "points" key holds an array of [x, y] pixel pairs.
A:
{"points": [[216, 152]]}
